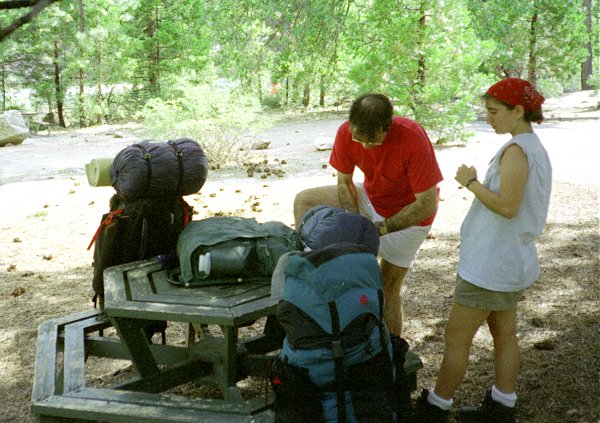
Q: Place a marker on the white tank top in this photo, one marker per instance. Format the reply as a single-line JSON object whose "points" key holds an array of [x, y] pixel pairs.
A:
{"points": [[497, 253]]}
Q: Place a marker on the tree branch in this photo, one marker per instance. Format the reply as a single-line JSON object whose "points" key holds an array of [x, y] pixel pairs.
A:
{"points": [[17, 4], [36, 8]]}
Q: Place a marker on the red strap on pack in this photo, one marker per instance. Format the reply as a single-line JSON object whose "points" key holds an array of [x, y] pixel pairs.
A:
{"points": [[187, 216], [109, 219]]}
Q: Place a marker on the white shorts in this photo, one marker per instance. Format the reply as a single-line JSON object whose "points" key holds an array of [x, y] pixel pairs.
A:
{"points": [[399, 248]]}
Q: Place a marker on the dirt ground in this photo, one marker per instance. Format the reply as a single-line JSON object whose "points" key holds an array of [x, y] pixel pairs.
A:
{"points": [[49, 213]]}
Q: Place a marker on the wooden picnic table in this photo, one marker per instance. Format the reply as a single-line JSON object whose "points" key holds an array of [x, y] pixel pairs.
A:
{"points": [[34, 121], [138, 295]]}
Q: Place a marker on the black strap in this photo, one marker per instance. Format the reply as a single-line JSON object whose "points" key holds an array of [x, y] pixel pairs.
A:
{"points": [[148, 158], [382, 328], [179, 155], [338, 358]]}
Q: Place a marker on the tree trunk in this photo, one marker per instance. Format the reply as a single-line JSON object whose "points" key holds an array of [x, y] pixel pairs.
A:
{"points": [[99, 94], [306, 95], [586, 66], [421, 67], [154, 51], [287, 90], [2, 87], [81, 76], [58, 90], [532, 67], [322, 92], [259, 88]]}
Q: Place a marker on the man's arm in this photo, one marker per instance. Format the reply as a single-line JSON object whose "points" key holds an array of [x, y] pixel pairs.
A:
{"points": [[347, 192], [425, 205]]}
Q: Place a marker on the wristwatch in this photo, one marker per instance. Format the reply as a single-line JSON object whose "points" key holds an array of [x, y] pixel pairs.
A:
{"points": [[470, 181]]}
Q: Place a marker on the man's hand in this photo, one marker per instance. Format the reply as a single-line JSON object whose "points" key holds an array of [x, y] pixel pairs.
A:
{"points": [[347, 192]]}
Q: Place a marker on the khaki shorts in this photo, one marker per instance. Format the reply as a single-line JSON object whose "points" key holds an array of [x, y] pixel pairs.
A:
{"points": [[399, 248], [467, 294]]}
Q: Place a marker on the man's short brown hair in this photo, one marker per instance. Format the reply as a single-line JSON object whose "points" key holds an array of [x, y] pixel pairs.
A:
{"points": [[369, 113]]}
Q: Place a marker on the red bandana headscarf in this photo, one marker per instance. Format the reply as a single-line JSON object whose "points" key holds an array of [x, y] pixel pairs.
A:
{"points": [[516, 92]]}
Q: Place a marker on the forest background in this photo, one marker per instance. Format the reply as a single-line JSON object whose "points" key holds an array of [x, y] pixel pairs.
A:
{"points": [[210, 69]]}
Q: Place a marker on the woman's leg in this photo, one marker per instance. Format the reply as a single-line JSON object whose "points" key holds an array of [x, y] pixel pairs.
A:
{"points": [[462, 326], [503, 327]]}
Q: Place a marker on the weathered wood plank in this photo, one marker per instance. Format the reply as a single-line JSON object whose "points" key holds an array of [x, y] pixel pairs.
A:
{"points": [[50, 341], [74, 358], [44, 381], [93, 406], [180, 313], [168, 378], [132, 334], [177, 401]]}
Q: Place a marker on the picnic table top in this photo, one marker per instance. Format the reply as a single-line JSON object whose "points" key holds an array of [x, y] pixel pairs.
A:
{"points": [[141, 290]]}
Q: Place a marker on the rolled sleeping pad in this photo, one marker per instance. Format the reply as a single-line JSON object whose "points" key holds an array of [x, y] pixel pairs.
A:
{"points": [[155, 169], [98, 172]]}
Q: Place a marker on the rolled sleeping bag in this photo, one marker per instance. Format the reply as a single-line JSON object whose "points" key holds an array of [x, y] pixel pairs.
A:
{"points": [[98, 172], [323, 226], [154, 169]]}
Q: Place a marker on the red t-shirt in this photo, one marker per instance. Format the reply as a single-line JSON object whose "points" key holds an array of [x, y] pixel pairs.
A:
{"points": [[404, 164]]}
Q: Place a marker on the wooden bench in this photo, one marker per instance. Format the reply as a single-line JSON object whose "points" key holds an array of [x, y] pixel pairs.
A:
{"points": [[64, 334], [60, 394], [124, 406], [35, 122]]}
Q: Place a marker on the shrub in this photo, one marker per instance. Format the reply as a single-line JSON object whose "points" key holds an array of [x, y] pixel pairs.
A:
{"points": [[219, 118]]}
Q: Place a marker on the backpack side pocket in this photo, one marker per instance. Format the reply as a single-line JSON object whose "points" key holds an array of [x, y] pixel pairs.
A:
{"points": [[297, 398]]}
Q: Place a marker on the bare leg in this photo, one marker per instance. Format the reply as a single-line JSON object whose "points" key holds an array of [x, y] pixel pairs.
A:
{"points": [[309, 198], [503, 327], [393, 313], [462, 326]]}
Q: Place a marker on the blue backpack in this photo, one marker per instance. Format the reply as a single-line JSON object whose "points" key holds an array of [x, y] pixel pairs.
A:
{"points": [[336, 362]]}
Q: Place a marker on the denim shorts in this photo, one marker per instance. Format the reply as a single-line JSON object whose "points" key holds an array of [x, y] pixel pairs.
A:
{"points": [[467, 294]]}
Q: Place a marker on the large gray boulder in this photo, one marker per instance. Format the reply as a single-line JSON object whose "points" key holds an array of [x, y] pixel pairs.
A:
{"points": [[13, 129]]}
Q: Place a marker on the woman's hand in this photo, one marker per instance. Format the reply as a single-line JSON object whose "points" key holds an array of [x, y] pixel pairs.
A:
{"points": [[464, 174]]}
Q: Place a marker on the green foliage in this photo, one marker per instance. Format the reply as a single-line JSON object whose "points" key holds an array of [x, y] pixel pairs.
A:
{"points": [[546, 37], [217, 117], [434, 58], [432, 75]]}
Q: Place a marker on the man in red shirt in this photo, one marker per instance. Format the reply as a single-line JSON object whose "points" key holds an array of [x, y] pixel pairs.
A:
{"points": [[399, 193]]}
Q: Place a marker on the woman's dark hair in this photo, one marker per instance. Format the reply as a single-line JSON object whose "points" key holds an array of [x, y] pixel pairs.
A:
{"points": [[533, 116], [370, 112]]}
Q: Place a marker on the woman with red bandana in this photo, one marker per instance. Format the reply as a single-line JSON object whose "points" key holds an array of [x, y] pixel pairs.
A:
{"points": [[498, 257]]}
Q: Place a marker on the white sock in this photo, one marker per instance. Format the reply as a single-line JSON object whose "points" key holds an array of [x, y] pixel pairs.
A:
{"points": [[507, 400], [439, 402]]}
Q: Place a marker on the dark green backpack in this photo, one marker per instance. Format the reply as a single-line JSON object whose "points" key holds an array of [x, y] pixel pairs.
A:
{"points": [[230, 249]]}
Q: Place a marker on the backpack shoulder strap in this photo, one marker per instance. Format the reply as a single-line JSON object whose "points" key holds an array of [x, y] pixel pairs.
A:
{"points": [[107, 221], [338, 359]]}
